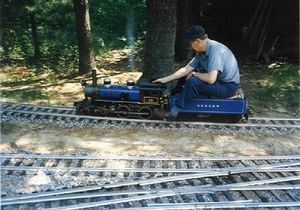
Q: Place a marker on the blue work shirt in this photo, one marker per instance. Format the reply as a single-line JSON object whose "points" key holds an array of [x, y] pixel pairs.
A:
{"points": [[217, 57]]}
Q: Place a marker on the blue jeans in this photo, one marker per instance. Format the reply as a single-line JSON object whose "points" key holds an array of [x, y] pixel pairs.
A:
{"points": [[195, 88]]}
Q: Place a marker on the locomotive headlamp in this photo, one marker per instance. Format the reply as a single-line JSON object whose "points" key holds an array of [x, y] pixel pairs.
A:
{"points": [[107, 82], [130, 83]]}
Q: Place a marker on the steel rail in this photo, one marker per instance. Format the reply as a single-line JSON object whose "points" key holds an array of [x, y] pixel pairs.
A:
{"points": [[142, 170], [271, 175], [151, 121], [12, 201], [193, 176], [198, 189], [114, 201], [204, 188], [36, 106], [216, 205], [147, 197], [202, 175], [149, 158], [5, 104], [184, 177], [275, 118], [143, 182], [72, 108], [166, 122], [257, 176]]}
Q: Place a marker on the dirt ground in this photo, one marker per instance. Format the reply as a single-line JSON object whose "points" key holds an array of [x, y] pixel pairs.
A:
{"points": [[47, 139]]}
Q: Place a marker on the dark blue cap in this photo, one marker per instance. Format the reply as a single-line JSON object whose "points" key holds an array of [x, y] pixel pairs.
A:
{"points": [[193, 32]]}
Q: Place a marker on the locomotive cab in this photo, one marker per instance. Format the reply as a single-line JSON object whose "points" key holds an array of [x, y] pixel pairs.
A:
{"points": [[153, 94]]}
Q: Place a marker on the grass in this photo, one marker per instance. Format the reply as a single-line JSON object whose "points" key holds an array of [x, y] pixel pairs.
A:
{"points": [[282, 86], [21, 84], [25, 95]]}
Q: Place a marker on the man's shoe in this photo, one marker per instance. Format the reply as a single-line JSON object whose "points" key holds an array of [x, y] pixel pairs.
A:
{"points": [[238, 94], [174, 111]]}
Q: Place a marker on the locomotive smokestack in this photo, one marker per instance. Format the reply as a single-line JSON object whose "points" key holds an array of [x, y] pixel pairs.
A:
{"points": [[94, 77]]}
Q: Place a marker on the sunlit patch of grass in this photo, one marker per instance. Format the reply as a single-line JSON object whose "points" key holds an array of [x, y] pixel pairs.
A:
{"points": [[25, 95], [282, 86], [15, 74]]}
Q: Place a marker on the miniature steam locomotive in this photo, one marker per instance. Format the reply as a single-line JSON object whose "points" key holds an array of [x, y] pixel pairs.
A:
{"points": [[144, 99]]}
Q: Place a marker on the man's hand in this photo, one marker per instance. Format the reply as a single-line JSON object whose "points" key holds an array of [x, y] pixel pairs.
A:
{"points": [[160, 80], [190, 75], [209, 77]]}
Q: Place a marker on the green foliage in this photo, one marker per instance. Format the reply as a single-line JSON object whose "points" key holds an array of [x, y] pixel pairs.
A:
{"points": [[55, 32], [111, 19], [283, 85], [56, 29]]}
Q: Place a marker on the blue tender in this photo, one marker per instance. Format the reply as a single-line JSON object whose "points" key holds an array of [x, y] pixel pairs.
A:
{"points": [[236, 106]]}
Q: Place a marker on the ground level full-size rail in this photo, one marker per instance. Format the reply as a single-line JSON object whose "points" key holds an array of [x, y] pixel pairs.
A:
{"points": [[153, 182]]}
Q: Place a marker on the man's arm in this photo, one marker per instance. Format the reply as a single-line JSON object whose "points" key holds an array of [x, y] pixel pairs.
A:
{"points": [[209, 77], [176, 75]]}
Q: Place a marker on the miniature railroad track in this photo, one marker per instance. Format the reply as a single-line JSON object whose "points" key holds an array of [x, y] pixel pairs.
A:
{"points": [[145, 182], [67, 116]]}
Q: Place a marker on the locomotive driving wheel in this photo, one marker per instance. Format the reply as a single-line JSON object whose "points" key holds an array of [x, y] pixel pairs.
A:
{"points": [[145, 113], [83, 107], [123, 111]]}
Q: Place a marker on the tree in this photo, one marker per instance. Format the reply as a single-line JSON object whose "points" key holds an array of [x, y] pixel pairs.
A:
{"points": [[86, 54], [35, 38], [160, 38], [183, 7], [189, 12]]}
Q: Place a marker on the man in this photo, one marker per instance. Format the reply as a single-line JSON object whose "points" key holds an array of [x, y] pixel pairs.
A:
{"points": [[213, 72]]}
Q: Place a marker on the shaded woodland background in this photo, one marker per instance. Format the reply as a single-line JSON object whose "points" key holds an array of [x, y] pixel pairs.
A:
{"points": [[45, 30], [67, 37], [246, 26]]}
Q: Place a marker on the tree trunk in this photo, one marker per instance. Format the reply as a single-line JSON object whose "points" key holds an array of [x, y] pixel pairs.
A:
{"points": [[182, 24], [160, 38], [35, 38], [86, 54], [2, 50], [189, 12]]}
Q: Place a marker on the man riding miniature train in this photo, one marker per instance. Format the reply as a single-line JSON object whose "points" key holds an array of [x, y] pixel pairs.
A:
{"points": [[213, 72], [211, 79]]}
